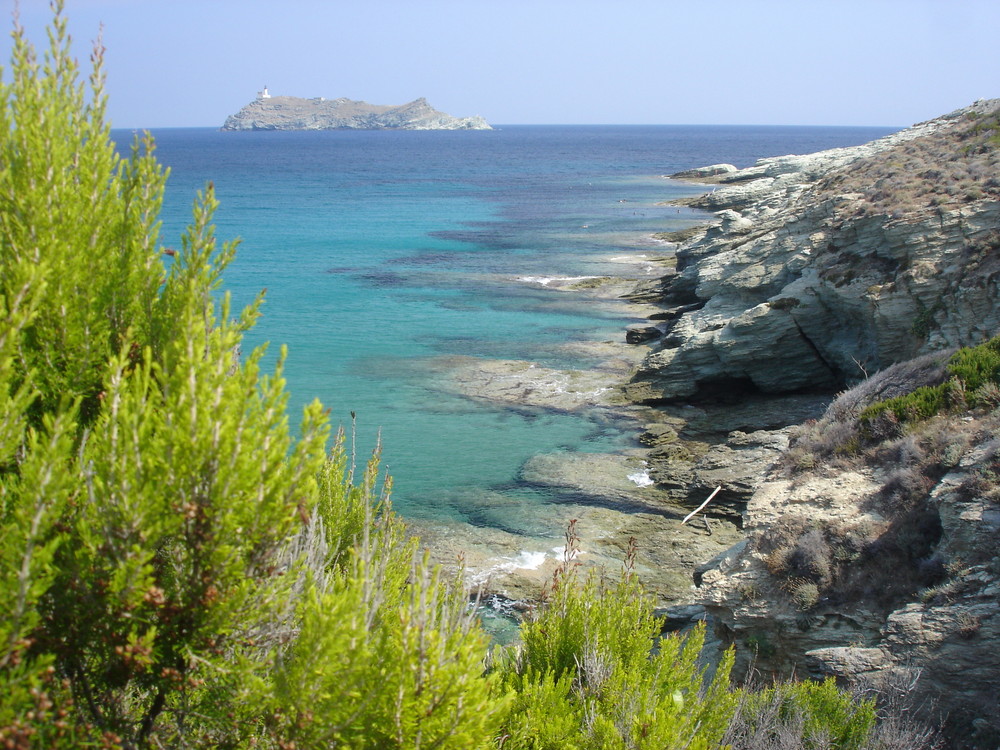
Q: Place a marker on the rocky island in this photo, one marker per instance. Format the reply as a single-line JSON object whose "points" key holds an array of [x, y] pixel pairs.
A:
{"points": [[293, 113], [870, 531]]}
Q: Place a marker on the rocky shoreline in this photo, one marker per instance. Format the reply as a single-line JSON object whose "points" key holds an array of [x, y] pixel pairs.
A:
{"points": [[870, 560], [683, 452], [611, 496], [812, 274]]}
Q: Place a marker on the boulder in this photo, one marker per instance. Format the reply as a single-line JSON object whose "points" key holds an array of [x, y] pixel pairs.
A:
{"points": [[642, 333], [702, 172]]}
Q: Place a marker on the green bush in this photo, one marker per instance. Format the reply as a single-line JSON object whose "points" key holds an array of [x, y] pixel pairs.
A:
{"points": [[178, 569], [810, 715], [977, 366], [972, 370], [593, 672]]}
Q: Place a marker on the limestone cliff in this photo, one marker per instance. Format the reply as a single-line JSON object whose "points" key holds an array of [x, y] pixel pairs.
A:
{"points": [[293, 113], [870, 549], [821, 268]]}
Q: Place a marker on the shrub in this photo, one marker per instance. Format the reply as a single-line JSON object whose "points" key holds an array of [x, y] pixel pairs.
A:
{"points": [[805, 595], [971, 369], [789, 716], [175, 562], [977, 366], [179, 570], [953, 165], [584, 676], [810, 557]]}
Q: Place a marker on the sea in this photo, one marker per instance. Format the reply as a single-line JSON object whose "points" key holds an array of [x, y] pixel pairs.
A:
{"points": [[389, 256]]}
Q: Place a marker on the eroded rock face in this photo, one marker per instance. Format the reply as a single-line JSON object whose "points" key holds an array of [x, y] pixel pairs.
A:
{"points": [[809, 279], [831, 580], [859, 560]]}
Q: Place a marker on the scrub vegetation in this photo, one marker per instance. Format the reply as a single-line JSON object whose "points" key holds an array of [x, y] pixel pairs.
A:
{"points": [[181, 568], [956, 165], [909, 425]]}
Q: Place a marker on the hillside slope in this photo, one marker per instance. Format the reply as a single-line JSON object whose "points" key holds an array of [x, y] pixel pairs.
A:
{"points": [[871, 543], [819, 269]]}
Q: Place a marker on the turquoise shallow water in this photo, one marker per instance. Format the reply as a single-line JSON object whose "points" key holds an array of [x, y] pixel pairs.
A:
{"points": [[382, 252]]}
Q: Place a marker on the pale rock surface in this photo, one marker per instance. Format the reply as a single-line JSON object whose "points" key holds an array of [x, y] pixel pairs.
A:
{"points": [[798, 287], [712, 170], [946, 639]]}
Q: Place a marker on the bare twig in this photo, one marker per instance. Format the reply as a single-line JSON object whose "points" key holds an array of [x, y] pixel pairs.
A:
{"points": [[701, 507]]}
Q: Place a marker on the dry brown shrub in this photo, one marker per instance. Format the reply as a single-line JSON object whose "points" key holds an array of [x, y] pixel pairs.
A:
{"points": [[957, 164]]}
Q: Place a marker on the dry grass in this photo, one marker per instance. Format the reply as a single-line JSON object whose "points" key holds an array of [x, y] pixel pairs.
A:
{"points": [[890, 560], [958, 164]]}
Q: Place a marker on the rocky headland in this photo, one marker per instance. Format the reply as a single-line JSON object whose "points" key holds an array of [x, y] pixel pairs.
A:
{"points": [[816, 288], [294, 113], [869, 533]]}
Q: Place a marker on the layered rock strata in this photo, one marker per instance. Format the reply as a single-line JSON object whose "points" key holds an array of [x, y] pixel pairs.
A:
{"points": [[878, 569], [871, 561], [819, 269]]}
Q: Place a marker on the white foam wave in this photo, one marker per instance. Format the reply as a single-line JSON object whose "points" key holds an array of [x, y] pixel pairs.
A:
{"points": [[546, 280], [641, 478], [524, 560], [529, 560]]}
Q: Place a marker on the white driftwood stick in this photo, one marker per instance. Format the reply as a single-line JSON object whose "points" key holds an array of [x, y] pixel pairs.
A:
{"points": [[701, 507]]}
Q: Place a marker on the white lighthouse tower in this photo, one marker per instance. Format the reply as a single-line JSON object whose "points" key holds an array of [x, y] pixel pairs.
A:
{"points": [[263, 94]]}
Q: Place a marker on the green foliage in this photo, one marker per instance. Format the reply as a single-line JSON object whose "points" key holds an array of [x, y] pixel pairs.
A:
{"points": [[175, 562], [818, 714], [593, 672], [78, 226], [387, 661], [977, 366], [973, 371], [918, 405], [924, 321]]}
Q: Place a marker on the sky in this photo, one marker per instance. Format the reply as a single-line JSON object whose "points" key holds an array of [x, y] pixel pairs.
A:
{"points": [[190, 63]]}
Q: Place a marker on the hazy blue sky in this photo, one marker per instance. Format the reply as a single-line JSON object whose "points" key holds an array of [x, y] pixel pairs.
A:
{"points": [[810, 62]]}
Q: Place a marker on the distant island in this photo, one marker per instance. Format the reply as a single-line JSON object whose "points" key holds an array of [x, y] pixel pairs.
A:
{"points": [[293, 113]]}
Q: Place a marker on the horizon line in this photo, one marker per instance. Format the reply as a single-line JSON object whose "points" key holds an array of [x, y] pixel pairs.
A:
{"points": [[496, 126]]}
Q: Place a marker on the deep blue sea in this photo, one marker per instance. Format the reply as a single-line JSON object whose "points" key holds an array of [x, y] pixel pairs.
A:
{"points": [[384, 252]]}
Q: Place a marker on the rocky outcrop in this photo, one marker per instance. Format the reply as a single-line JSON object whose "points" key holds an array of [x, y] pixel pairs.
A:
{"points": [[831, 581], [293, 113], [870, 559], [698, 173], [819, 269]]}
